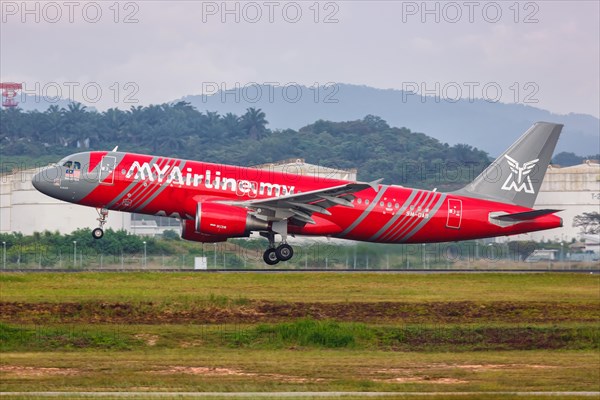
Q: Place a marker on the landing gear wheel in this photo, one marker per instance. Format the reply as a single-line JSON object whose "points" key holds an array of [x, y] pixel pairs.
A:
{"points": [[98, 233], [284, 252], [270, 256], [102, 215]]}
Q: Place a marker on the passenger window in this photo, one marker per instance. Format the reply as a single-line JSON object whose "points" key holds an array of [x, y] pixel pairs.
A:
{"points": [[367, 202], [359, 201]]}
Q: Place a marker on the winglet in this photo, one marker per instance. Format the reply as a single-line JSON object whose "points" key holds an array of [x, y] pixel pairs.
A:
{"points": [[375, 184], [115, 149]]}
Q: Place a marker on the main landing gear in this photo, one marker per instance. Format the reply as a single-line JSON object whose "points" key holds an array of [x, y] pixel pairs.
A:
{"points": [[102, 215], [283, 252]]}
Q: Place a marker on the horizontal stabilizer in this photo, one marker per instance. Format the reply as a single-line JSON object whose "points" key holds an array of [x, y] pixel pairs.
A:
{"points": [[524, 216]]}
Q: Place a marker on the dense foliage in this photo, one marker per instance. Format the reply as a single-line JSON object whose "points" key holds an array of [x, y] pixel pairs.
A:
{"points": [[52, 248], [588, 222], [566, 159], [179, 130]]}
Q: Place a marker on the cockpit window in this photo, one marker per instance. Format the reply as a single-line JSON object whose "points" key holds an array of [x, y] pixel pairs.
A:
{"points": [[72, 165]]}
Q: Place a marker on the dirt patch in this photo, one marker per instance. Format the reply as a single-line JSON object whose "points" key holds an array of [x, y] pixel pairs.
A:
{"points": [[421, 369], [443, 381], [147, 338], [216, 371], [491, 367], [263, 311], [191, 343], [29, 372], [209, 371]]}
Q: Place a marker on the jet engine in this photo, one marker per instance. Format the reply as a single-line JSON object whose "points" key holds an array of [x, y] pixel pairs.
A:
{"points": [[225, 220], [188, 232]]}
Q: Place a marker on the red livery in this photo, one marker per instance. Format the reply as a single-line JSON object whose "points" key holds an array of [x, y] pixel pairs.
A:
{"points": [[216, 202]]}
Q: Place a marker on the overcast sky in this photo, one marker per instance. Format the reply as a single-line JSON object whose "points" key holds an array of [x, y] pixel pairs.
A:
{"points": [[542, 53]]}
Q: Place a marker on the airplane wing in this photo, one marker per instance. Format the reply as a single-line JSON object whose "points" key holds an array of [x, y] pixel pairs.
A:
{"points": [[301, 206]]}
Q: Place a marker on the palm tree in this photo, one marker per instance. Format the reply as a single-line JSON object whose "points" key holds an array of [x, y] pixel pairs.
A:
{"points": [[232, 124], [77, 124], [54, 122], [254, 123]]}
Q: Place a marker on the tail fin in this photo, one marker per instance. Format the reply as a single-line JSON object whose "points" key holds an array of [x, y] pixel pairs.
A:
{"points": [[516, 176]]}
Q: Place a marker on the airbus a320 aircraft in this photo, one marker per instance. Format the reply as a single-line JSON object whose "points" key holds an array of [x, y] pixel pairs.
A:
{"points": [[217, 202]]}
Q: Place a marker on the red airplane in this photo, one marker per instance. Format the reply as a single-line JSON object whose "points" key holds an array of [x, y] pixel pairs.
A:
{"points": [[216, 202]]}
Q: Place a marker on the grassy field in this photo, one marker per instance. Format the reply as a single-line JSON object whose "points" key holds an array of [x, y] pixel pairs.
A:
{"points": [[256, 332], [295, 287]]}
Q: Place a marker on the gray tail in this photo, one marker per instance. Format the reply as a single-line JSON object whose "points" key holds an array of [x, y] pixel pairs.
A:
{"points": [[516, 176]]}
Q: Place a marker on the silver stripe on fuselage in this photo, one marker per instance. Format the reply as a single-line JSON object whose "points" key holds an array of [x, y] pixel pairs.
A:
{"points": [[141, 190], [429, 199], [367, 211], [128, 189], [404, 219], [399, 214], [159, 191], [148, 188], [434, 210]]}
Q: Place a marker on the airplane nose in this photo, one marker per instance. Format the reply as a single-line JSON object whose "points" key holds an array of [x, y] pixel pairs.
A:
{"points": [[44, 181]]}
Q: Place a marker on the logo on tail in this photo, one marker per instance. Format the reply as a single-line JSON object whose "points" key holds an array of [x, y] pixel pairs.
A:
{"points": [[519, 179]]}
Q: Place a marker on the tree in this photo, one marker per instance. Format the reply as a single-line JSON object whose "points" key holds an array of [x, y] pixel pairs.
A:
{"points": [[589, 223], [232, 125], [522, 248], [254, 123], [565, 159]]}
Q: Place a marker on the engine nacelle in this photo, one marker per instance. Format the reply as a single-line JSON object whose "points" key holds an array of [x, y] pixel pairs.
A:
{"points": [[188, 232], [225, 220]]}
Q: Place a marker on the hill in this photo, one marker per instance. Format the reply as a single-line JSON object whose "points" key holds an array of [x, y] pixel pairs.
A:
{"points": [[491, 126], [370, 144]]}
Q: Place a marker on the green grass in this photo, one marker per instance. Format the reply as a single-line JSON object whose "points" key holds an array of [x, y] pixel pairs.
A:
{"points": [[50, 338], [479, 351], [197, 368], [305, 287], [301, 334]]}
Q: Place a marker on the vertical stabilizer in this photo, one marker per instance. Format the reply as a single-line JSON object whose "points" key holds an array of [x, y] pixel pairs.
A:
{"points": [[516, 176]]}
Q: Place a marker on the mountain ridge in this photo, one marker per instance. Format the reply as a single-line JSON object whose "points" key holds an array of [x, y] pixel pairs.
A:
{"points": [[462, 121]]}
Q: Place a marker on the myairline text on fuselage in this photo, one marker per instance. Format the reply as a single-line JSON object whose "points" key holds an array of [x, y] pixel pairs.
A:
{"points": [[172, 174]]}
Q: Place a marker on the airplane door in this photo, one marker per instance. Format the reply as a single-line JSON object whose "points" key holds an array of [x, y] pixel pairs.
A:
{"points": [[107, 169], [454, 213]]}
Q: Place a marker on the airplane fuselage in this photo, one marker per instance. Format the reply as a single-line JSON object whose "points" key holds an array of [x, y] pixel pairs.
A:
{"points": [[172, 187]]}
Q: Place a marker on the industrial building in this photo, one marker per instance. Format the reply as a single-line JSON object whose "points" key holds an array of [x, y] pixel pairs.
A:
{"points": [[24, 209], [574, 190]]}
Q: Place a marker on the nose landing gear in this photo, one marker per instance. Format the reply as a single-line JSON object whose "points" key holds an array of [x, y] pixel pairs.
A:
{"points": [[102, 215]]}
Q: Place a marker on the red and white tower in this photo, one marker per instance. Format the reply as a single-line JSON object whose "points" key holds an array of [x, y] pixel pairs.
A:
{"points": [[9, 93]]}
